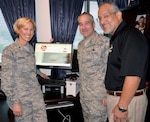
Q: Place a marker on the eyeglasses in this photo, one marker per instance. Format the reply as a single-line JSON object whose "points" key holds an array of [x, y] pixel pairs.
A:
{"points": [[105, 16]]}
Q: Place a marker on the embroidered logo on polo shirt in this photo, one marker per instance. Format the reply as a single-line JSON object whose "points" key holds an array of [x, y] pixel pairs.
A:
{"points": [[111, 47]]}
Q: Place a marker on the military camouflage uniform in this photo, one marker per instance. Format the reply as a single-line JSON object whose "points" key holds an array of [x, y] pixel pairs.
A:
{"points": [[92, 57], [20, 84]]}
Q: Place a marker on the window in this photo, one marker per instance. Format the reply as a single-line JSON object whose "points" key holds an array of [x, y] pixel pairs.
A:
{"points": [[5, 37], [92, 8]]}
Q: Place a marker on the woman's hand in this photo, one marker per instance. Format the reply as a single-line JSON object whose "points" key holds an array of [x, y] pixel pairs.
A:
{"points": [[17, 109], [44, 76]]}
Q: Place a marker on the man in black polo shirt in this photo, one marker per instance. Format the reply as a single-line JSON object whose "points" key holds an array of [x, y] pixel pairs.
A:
{"points": [[126, 69]]}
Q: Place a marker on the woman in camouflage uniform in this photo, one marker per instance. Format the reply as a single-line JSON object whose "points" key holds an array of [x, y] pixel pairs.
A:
{"points": [[19, 82]]}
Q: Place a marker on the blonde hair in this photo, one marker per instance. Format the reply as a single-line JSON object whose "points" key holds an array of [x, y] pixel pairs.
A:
{"points": [[21, 22]]}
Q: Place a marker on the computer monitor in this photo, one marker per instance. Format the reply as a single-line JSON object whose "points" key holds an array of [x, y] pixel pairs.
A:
{"points": [[75, 66], [54, 55], [74, 72]]}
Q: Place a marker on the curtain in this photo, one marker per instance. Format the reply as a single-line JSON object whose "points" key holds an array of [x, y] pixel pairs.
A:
{"points": [[64, 14], [121, 3], [14, 9]]}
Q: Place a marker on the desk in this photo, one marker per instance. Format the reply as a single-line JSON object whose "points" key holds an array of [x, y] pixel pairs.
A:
{"points": [[54, 99], [50, 99], [70, 108]]}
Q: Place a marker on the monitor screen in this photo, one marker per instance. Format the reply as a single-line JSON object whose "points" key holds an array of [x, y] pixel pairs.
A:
{"points": [[53, 55]]}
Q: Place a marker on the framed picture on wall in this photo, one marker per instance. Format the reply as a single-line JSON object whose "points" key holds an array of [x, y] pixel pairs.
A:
{"points": [[140, 22], [132, 3]]}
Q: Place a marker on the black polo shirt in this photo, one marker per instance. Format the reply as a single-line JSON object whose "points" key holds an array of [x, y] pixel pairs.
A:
{"points": [[128, 57]]}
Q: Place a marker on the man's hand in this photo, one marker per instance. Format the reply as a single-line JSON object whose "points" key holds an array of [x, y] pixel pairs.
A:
{"points": [[104, 102], [120, 116], [17, 109]]}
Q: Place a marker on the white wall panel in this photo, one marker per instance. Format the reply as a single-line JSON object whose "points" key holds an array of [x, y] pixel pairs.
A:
{"points": [[43, 20]]}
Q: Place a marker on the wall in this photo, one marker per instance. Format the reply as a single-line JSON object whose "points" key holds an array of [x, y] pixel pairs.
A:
{"points": [[43, 25], [43, 21]]}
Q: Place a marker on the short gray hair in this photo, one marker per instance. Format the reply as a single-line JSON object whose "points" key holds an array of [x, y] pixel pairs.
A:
{"points": [[115, 8], [85, 13]]}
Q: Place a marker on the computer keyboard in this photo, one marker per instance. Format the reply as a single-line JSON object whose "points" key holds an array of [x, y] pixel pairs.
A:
{"points": [[51, 81], [63, 104]]}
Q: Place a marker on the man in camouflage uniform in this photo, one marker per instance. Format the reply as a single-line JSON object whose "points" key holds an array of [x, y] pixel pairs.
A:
{"points": [[92, 58]]}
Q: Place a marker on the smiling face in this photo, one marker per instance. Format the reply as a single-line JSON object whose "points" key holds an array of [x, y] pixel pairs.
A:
{"points": [[86, 26], [25, 28], [109, 19], [26, 32]]}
